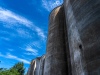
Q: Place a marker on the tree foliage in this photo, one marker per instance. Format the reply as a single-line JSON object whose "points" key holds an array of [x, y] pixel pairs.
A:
{"points": [[9, 72], [17, 69]]}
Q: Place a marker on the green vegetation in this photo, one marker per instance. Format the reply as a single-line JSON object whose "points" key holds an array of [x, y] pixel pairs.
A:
{"points": [[17, 69]]}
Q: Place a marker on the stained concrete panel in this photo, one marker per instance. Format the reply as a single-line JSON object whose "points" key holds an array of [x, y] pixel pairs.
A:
{"points": [[83, 22]]}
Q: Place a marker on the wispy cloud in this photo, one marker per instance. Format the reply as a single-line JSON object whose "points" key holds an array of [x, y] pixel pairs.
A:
{"points": [[23, 33], [10, 56], [51, 4], [5, 38], [1, 55], [36, 44], [31, 51], [13, 19], [10, 50], [40, 33], [9, 16]]}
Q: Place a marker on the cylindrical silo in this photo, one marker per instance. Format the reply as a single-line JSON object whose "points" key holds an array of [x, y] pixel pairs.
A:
{"points": [[55, 60]]}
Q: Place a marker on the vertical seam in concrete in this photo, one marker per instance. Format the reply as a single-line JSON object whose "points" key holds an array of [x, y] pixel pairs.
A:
{"points": [[73, 36]]}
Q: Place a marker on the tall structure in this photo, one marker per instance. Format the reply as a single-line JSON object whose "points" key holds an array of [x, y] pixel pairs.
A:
{"points": [[73, 41]]}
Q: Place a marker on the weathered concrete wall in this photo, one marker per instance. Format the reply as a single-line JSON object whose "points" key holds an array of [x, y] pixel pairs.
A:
{"points": [[83, 23], [37, 66], [32, 67], [56, 61], [73, 41], [41, 65]]}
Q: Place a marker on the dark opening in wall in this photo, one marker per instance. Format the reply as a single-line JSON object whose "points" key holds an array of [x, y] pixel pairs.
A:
{"points": [[80, 46]]}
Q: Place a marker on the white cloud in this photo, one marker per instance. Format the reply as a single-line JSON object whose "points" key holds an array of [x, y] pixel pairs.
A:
{"points": [[5, 38], [51, 4], [23, 33], [1, 55], [31, 51], [13, 19], [36, 44], [9, 56], [40, 33], [9, 16], [11, 50]]}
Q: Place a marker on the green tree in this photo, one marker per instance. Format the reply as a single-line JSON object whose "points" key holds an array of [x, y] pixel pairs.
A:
{"points": [[19, 67], [8, 72]]}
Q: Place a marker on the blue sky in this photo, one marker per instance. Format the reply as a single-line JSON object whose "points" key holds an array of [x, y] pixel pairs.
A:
{"points": [[23, 29]]}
